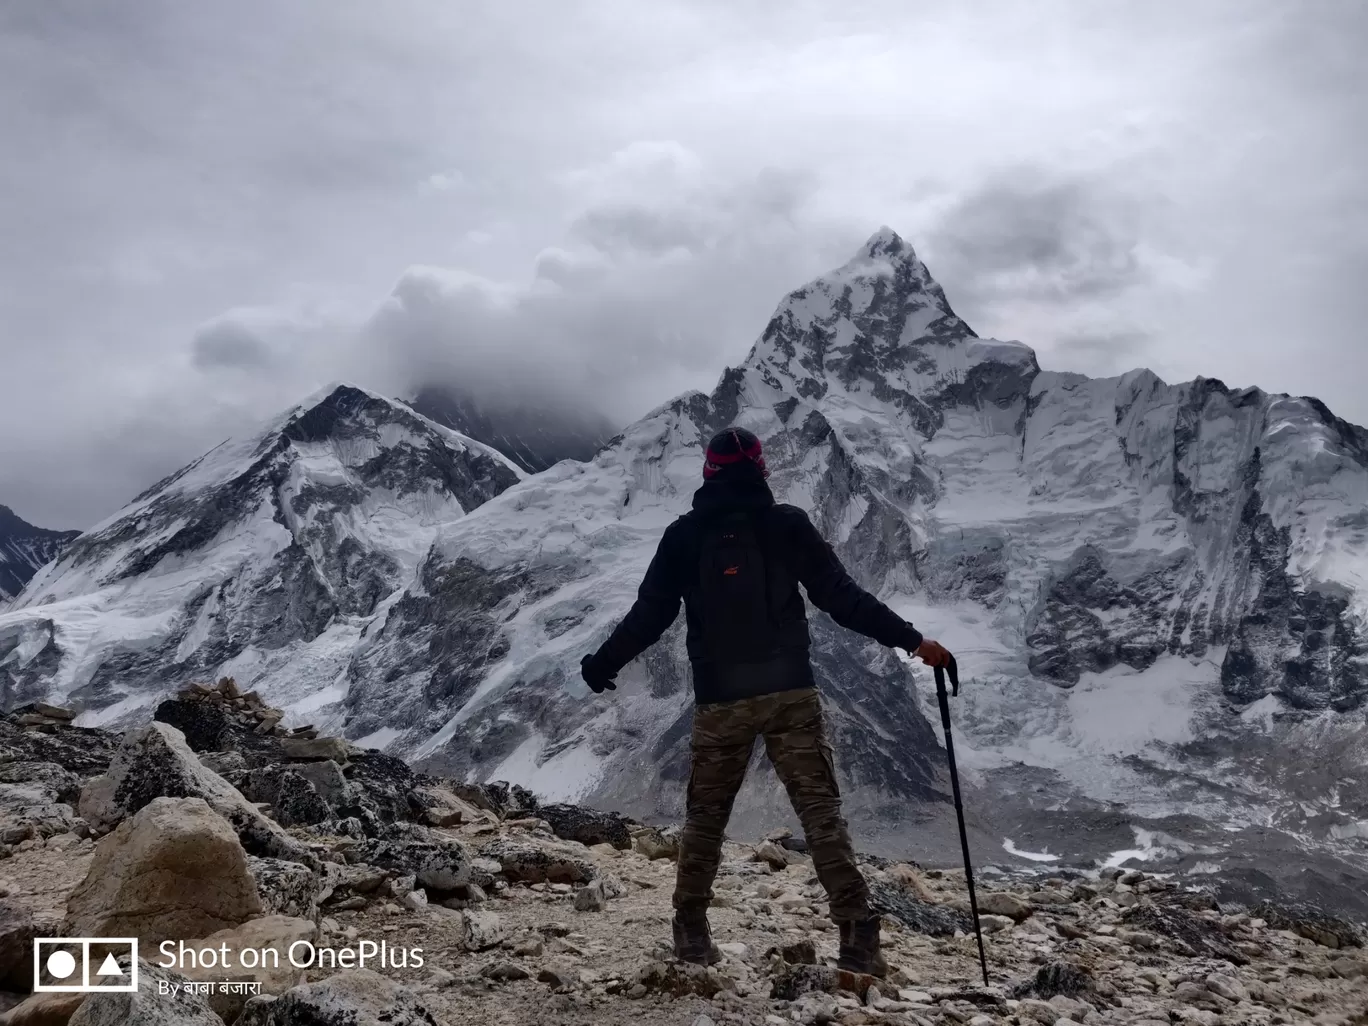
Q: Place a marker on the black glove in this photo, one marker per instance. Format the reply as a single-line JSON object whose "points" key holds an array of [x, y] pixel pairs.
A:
{"points": [[594, 675]]}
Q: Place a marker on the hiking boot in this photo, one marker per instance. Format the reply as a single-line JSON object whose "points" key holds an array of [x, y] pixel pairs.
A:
{"points": [[860, 948], [693, 939]]}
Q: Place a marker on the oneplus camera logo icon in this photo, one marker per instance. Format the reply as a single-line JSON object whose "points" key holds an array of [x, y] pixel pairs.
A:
{"points": [[85, 965]]}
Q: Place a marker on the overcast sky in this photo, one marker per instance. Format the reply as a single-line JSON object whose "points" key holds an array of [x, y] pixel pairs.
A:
{"points": [[208, 210]]}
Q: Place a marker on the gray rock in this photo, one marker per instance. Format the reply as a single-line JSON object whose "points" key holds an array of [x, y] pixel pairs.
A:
{"points": [[357, 997], [441, 865], [147, 1006], [588, 826], [591, 898], [331, 748], [328, 780], [18, 927], [173, 871], [1309, 921], [290, 888], [522, 862], [1000, 903], [918, 915], [479, 931], [154, 762], [292, 798]]}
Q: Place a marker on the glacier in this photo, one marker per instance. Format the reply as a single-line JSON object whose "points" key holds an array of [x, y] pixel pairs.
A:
{"points": [[1156, 592]]}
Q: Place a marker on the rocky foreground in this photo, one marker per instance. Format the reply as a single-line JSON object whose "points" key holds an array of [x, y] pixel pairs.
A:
{"points": [[408, 900]]}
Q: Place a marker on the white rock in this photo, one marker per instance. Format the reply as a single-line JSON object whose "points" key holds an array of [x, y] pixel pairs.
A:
{"points": [[173, 871], [480, 931]]}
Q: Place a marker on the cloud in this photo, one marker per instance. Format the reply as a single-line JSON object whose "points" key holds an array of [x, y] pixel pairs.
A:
{"points": [[665, 275], [1027, 232], [228, 342]]}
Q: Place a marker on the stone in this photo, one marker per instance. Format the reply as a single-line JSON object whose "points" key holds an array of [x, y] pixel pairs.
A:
{"points": [[414, 901], [84, 751], [479, 931], [293, 799], [793, 981], [441, 865], [175, 870], [679, 979], [18, 927], [735, 950], [917, 915], [154, 762], [288, 888], [522, 862], [357, 997], [507, 801], [229, 765], [1315, 924], [559, 978], [1349, 968], [800, 952], [771, 855], [96, 805], [588, 826], [44, 1009], [303, 749], [275, 974], [995, 924], [1001, 903], [505, 972], [1227, 987], [655, 844], [1186, 931], [147, 1006], [1056, 978], [590, 897], [327, 779]]}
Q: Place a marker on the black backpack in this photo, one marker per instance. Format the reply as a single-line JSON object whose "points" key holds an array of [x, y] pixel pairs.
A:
{"points": [[734, 592]]}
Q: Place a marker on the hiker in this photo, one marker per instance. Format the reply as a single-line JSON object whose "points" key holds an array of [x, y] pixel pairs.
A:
{"points": [[736, 561]]}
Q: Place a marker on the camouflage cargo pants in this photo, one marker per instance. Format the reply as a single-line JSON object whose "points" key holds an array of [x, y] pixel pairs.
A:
{"points": [[795, 740]]}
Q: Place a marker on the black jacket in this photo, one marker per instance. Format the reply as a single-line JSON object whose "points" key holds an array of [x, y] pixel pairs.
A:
{"points": [[791, 543]]}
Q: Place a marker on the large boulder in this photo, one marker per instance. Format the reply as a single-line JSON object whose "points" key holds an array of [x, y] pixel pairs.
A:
{"points": [[359, 997], [148, 1005], [276, 974], [507, 801], [291, 888], [18, 927], [37, 799], [174, 871], [588, 826], [84, 751], [155, 762], [294, 801], [44, 1009], [522, 862], [442, 865]]}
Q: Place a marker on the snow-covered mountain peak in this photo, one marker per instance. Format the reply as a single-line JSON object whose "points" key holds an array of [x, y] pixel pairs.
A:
{"points": [[271, 548]]}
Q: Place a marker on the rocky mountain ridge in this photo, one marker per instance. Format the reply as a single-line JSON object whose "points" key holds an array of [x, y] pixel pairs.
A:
{"points": [[481, 902], [25, 549]]}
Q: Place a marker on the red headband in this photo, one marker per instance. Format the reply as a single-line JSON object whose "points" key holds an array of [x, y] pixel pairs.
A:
{"points": [[713, 462]]}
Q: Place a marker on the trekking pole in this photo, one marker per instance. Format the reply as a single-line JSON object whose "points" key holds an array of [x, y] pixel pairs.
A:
{"points": [[959, 805]]}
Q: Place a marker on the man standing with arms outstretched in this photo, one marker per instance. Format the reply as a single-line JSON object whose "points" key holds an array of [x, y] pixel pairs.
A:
{"points": [[736, 561]]}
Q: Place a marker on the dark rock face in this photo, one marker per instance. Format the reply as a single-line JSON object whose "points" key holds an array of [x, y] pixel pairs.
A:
{"points": [[529, 863], [1091, 622], [588, 826], [1310, 922], [532, 436], [442, 864], [1055, 979], [1187, 931], [84, 751], [921, 916], [24, 549]]}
